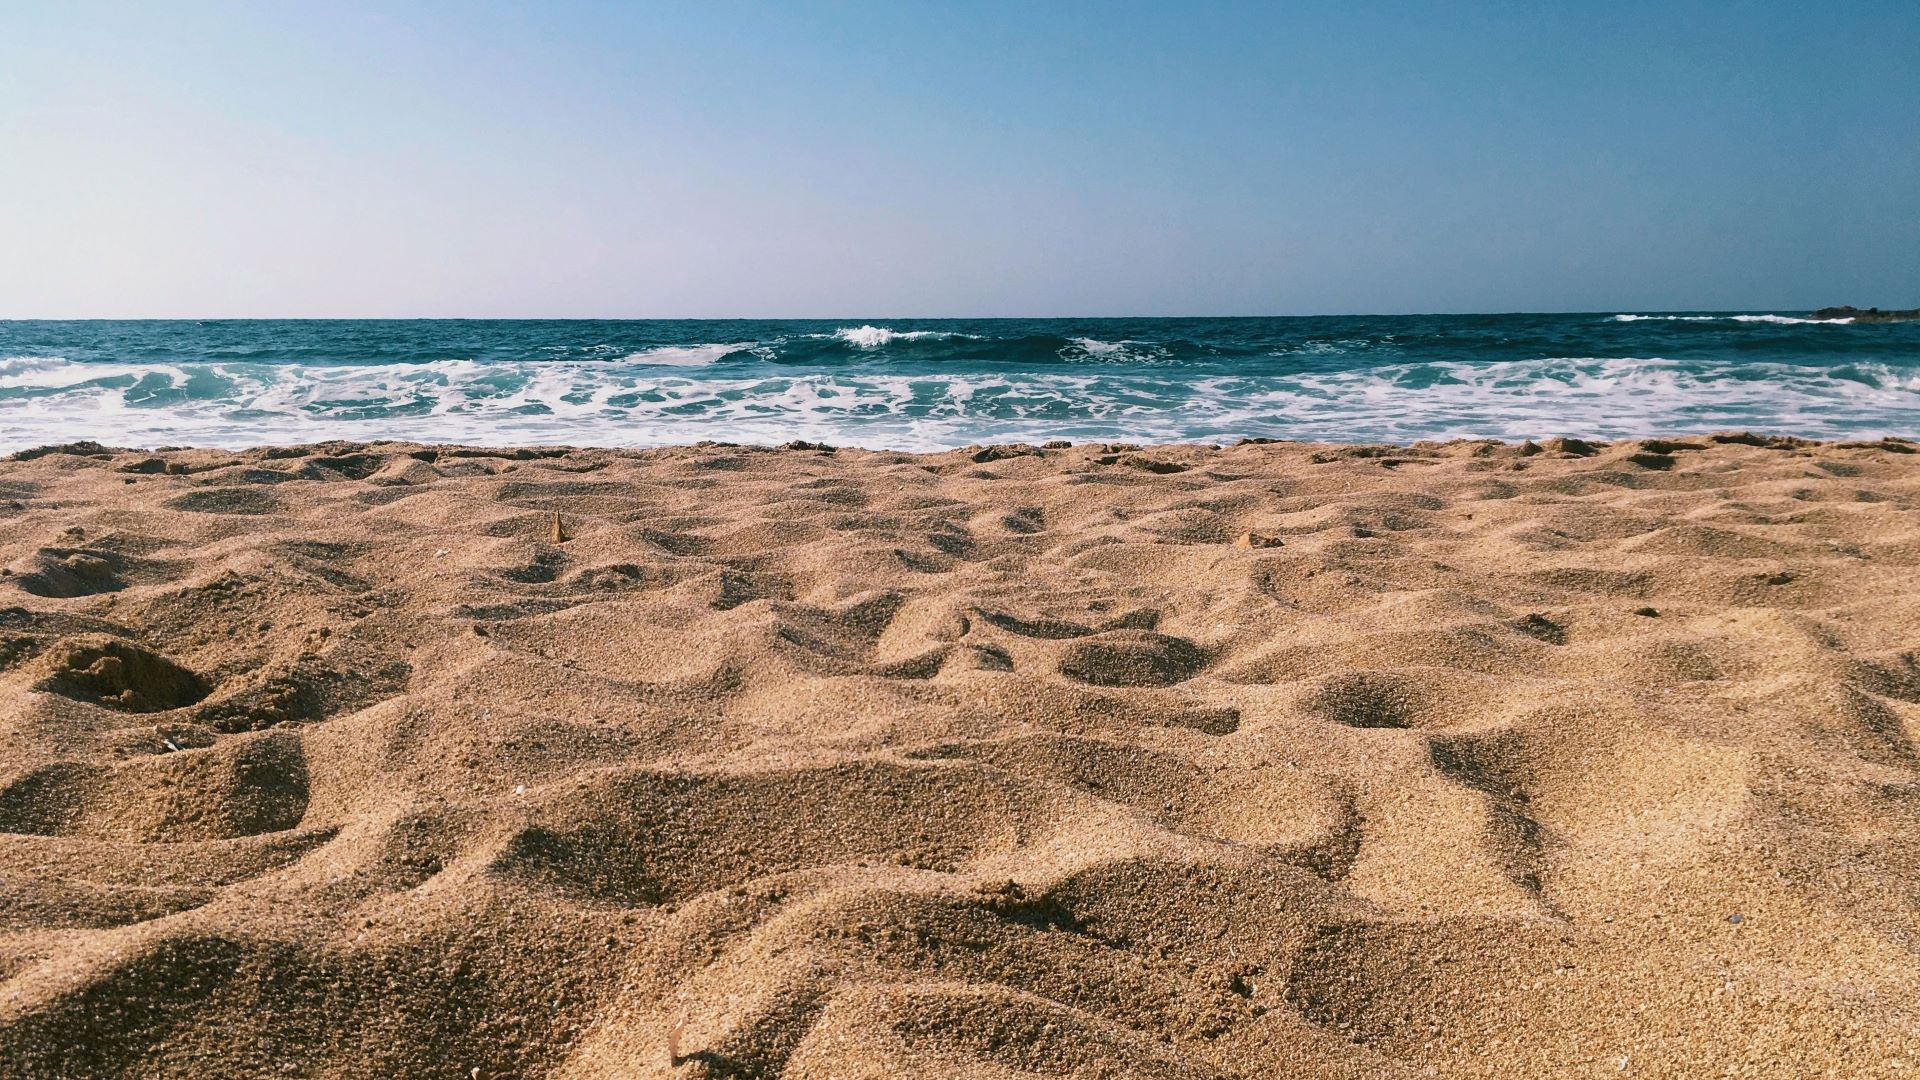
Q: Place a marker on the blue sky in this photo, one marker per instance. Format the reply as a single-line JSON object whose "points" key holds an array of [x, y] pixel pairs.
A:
{"points": [[891, 159]]}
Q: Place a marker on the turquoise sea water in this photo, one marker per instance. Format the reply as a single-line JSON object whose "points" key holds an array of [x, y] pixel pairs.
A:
{"points": [[928, 384]]}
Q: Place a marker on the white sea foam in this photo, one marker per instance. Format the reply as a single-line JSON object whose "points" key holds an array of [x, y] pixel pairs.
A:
{"points": [[874, 337], [47, 399], [1784, 320], [1126, 349], [690, 355], [1326, 347], [16, 370]]}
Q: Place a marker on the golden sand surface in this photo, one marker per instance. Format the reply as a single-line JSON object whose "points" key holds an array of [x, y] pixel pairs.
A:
{"points": [[1275, 760]]}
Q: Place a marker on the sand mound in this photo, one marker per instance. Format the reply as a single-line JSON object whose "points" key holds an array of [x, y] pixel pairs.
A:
{"points": [[118, 675], [1274, 760], [1132, 658]]}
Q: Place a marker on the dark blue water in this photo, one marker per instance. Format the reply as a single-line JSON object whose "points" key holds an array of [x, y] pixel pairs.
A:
{"points": [[923, 384]]}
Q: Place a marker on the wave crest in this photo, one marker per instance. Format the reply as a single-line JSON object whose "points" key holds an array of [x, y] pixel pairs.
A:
{"points": [[690, 355], [1790, 320], [875, 337], [1781, 320]]}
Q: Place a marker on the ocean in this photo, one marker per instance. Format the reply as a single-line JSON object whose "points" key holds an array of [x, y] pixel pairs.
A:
{"points": [[925, 384]]}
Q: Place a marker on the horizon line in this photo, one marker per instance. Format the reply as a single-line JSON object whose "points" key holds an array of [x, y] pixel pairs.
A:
{"points": [[1622, 309]]}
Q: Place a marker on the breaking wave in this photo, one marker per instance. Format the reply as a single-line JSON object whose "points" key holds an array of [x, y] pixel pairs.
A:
{"points": [[1778, 320], [875, 337], [927, 386]]}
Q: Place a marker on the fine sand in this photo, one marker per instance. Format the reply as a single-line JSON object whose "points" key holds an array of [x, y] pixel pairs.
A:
{"points": [[1094, 761]]}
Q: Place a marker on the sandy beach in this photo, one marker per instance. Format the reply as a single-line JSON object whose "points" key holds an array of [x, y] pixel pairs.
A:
{"points": [[1270, 760]]}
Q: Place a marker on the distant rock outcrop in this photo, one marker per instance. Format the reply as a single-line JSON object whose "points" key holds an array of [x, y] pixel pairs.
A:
{"points": [[1867, 315]]}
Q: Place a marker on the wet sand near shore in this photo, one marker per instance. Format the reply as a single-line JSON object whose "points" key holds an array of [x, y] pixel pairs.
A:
{"points": [[1271, 760]]}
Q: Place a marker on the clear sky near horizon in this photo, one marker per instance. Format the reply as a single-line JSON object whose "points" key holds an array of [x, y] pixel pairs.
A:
{"points": [[875, 159]]}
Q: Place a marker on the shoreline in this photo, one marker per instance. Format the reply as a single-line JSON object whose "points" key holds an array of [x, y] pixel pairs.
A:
{"points": [[1298, 759], [1689, 439], [921, 387]]}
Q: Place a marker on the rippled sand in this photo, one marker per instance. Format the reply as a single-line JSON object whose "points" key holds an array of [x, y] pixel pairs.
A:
{"points": [[1275, 760]]}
